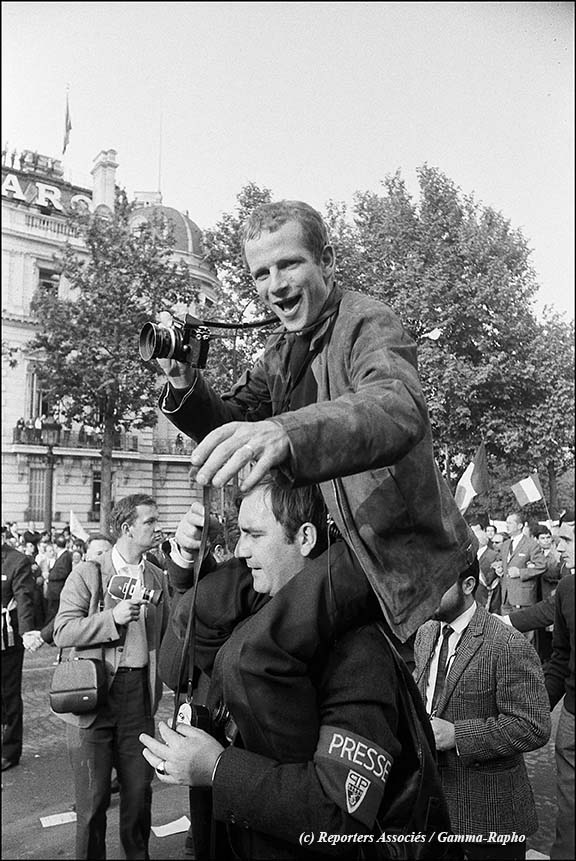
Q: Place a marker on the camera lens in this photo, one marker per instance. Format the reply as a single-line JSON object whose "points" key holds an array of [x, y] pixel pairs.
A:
{"points": [[156, 342]]}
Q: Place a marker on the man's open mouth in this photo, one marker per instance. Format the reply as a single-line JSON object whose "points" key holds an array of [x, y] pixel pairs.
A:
{"points": [[288, 305]]}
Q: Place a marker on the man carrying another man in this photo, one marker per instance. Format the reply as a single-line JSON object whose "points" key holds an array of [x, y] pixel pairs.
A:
{"points": [[336, 400]]}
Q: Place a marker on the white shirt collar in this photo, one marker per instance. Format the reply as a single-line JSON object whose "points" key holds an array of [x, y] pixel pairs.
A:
{"points": [[120, 564]]}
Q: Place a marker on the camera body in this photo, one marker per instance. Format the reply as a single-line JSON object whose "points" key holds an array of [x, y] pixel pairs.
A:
{"points": [[125, 588], [217, 721], [185, 341]]}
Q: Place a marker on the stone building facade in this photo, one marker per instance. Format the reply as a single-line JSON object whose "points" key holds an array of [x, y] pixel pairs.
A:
{"points": [[36, 203]]}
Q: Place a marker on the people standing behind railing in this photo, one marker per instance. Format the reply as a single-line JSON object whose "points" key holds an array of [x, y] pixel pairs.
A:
{"points": [[20, 428]]}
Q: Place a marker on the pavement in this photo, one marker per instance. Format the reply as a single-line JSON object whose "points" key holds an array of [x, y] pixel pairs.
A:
{"points": [[41, 785]]}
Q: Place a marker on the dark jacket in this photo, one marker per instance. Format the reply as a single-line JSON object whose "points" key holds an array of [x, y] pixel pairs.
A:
{"points": [[57, 576], [307, 672], [367, 441], [18, 587], [559, 670]]}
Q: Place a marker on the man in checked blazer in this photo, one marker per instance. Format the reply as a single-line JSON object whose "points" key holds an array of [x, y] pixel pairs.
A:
{"points": [[492, 709]]}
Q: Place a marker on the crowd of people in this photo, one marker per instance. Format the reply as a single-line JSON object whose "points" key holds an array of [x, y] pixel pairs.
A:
{"points": [[359, 667]]}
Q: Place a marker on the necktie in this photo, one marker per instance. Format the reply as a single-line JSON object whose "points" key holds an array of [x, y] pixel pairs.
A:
{"points": [[442, 662]]}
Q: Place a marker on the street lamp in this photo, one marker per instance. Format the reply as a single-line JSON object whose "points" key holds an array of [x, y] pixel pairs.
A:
{"points": [[50, 436]]}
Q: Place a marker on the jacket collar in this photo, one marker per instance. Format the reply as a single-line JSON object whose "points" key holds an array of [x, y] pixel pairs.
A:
{"points": [[471, 640]]}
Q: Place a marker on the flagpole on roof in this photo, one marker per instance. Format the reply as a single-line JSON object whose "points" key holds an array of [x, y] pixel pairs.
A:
{"points": [[488, 482], [67, 121]]}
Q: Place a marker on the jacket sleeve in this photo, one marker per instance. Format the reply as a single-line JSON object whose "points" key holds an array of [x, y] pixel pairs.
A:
{"points": [[78, 622], [557, 668], [539, 615], [357, 721], [23, 591], [375, 412], [199, 409], [225, 597], [537, 562], [522, 722]]}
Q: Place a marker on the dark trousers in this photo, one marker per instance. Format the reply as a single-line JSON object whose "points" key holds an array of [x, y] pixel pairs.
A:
{"points": [[12, 705], [112, 741]]}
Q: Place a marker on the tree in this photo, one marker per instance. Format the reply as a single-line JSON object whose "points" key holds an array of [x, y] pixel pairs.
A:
{"points": [[91, 369], [449, 264], [237, 301], [547, 429]]}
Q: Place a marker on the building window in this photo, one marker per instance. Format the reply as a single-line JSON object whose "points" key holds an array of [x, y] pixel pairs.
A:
{"points": [[96, 490], [48, 280], [37, 491], [37, 403]]}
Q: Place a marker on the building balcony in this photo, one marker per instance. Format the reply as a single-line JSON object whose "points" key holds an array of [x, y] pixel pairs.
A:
{"points": [[180, 446], [75, 439]]}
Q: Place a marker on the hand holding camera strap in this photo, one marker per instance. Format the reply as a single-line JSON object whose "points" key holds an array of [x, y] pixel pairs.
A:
{"points": [[182, 713]]}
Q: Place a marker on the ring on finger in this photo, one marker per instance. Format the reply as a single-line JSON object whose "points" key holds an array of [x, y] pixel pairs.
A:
{"points": [[161, 767]]}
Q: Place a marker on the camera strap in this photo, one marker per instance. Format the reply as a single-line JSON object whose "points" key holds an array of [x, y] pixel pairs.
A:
{"points": [[189, 645]]}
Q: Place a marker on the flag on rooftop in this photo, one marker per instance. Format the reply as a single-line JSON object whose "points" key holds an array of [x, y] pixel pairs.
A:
{"points": [[528, 490], [67, 126], [474, 480]]}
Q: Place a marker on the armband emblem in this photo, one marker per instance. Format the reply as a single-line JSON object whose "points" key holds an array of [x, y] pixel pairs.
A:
{"points": [[353, 771], [356, 789]]}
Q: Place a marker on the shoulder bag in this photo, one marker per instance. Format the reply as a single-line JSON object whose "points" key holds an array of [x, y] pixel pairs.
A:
{"points": [[79, 684]]}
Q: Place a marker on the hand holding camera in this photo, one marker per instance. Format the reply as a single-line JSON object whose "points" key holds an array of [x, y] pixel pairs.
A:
{"points": [[125, 612], [179, 346], [130, 594]]}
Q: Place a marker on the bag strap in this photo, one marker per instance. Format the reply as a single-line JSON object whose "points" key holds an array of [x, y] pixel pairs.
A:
{"points": [[100, 605], [187, 654]]}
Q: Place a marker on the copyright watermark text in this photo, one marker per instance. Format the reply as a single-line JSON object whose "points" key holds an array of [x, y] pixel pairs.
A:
{"points": [[308, 838]]}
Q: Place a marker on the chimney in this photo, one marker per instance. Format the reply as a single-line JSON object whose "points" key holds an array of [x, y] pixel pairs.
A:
{"points": [[104, 173]]}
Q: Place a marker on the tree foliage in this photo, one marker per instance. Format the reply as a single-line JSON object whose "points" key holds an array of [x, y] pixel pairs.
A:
{"points": [[91, 369], [237, 301], [449, 265], [459, 267]]}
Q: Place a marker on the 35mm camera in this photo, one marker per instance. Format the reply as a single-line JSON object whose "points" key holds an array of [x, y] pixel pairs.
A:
{"points": [[185, 341]]}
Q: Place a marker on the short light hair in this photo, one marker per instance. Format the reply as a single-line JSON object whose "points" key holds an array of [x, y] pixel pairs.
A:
{"points": [[125, 511], [272, 216], [98, 536]]}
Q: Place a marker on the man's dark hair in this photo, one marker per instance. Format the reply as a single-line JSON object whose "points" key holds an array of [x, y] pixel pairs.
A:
{"points": [[125, 511], [293, 506], [473, 570], [542, 530], [60, 540], [272, 216], [480, 519]]}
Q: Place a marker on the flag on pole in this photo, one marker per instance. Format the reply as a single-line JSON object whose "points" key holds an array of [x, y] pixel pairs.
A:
{"points": [[67, 126], [528, 490], [474, 480], [76, 528]]}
